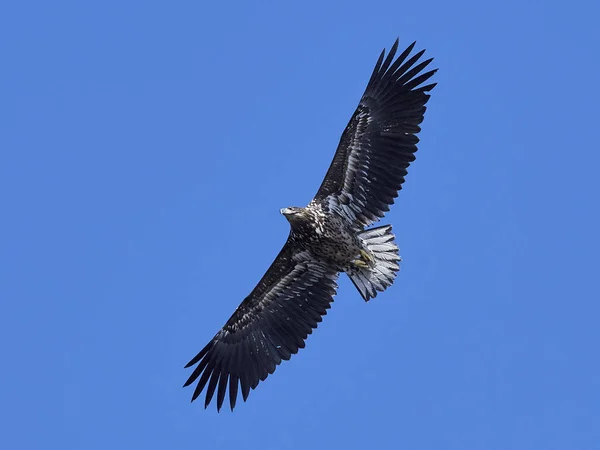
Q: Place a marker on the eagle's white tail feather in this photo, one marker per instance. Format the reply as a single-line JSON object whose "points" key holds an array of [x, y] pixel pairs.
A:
{"points": [[381, 273]]}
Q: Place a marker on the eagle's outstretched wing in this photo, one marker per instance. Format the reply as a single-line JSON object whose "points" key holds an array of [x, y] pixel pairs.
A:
{"points": [[380, 140], [270, 325]]}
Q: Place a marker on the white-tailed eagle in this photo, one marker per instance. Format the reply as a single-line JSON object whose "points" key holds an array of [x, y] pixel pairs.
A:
{"points": [[329, 236]]}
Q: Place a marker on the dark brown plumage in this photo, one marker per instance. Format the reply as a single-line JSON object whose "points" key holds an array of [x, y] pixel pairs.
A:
{"points": [[327, 237]]}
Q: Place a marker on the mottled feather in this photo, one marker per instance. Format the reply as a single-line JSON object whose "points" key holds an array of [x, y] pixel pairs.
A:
{"points": [[269, 326], [379, 141]]}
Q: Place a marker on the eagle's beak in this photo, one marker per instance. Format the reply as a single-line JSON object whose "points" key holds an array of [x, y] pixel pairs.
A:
{"points": [[285, 211]]}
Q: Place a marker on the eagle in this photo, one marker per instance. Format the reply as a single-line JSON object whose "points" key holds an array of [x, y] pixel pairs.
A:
{"points": [[333, 234]]}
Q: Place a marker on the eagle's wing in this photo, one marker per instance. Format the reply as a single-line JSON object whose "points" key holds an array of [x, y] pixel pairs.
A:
{"points": [[380, 140], [270, 325]]}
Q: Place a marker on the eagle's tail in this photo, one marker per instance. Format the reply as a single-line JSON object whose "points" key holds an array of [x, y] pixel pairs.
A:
{"points": [[378, 274]]}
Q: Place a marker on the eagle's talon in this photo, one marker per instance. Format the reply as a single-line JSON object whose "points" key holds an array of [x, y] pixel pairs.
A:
{"points": [[366, 256], [360, 263]]}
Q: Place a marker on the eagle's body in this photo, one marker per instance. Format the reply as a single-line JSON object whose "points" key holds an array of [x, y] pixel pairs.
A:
{"points": [[327, 237]]}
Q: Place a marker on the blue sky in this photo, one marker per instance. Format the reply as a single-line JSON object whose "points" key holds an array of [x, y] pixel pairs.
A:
{"points": [[146, 148]]}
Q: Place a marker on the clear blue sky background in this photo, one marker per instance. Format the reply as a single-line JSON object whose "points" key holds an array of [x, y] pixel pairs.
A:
{"points": [[146, 148]]}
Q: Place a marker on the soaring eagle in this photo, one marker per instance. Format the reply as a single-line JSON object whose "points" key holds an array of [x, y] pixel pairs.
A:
{"points": [[328, 236]]}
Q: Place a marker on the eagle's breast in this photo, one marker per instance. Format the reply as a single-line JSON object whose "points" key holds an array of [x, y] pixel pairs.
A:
{"points": [[328, 236]]}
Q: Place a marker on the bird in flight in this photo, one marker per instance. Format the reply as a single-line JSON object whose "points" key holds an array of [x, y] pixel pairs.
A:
{"points": [[329, 236]]}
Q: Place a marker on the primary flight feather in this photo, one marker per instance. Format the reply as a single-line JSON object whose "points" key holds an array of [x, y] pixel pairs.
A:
{"points": [[327, 237]]}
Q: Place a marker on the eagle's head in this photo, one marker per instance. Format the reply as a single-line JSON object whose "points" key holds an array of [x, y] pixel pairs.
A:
{"points": [[293, 214]]}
